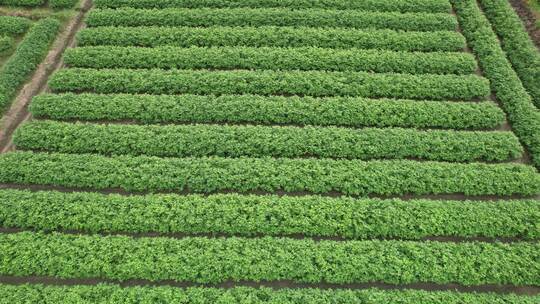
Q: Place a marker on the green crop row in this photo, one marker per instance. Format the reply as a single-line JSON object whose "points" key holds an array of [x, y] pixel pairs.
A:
{"points": [[56, 4], [259, 141], [516, 43], [522, 113], [27, 57], [216, 260], [109, 293], [264, 82], [27, 3], [13, 26], [272, 16], [271, 58], [6, 43], [272, 36], [211, 174], [376, 5], [235, 214], [340, 111]]}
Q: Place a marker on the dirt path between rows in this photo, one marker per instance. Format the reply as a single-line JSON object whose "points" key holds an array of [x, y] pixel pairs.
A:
{"points": [[18, 112], [529, 19]]}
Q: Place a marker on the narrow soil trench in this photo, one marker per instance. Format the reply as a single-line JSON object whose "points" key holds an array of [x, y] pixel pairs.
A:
{"points": [[529, 19], [276, 285], [405, 197], [256, 235]]}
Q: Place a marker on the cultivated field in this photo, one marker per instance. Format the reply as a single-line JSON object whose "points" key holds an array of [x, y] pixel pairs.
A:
{"points": [[279, 151], [23, 45]]}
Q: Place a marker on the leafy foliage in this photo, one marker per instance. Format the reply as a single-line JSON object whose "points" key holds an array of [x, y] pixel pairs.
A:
{"points": [[309, 63], [271, 58], [377, 5], [312, 83], [204, 260], [260, 141], [272, 36], [268, 215], [516, 43], [29, 53], [210, 174], [515, 100], [150, 294], [26, 3], [6, 43], [341, 111], [272, 16], [13, 26]]}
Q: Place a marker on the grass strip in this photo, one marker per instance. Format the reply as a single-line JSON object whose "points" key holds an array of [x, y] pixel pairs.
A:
{"points": [[516, 43], [341, 111], [29, 53], [102, 293], [376, 5], [514, 99], [216, 260], [259, 141], [62, 4], [270, 58], [211, 174], [13, 26], [311, 83], [272, 36], [272, 16], [249, 215]]}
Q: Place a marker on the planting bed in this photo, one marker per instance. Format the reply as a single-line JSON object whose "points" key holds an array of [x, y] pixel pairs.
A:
{"points": [[28, 29], [279, 151], [22, 58]]}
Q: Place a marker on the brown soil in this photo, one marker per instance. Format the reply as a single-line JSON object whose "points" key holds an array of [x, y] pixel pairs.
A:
{"points": [[19, 109], [18, 14], [529, 19]]}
